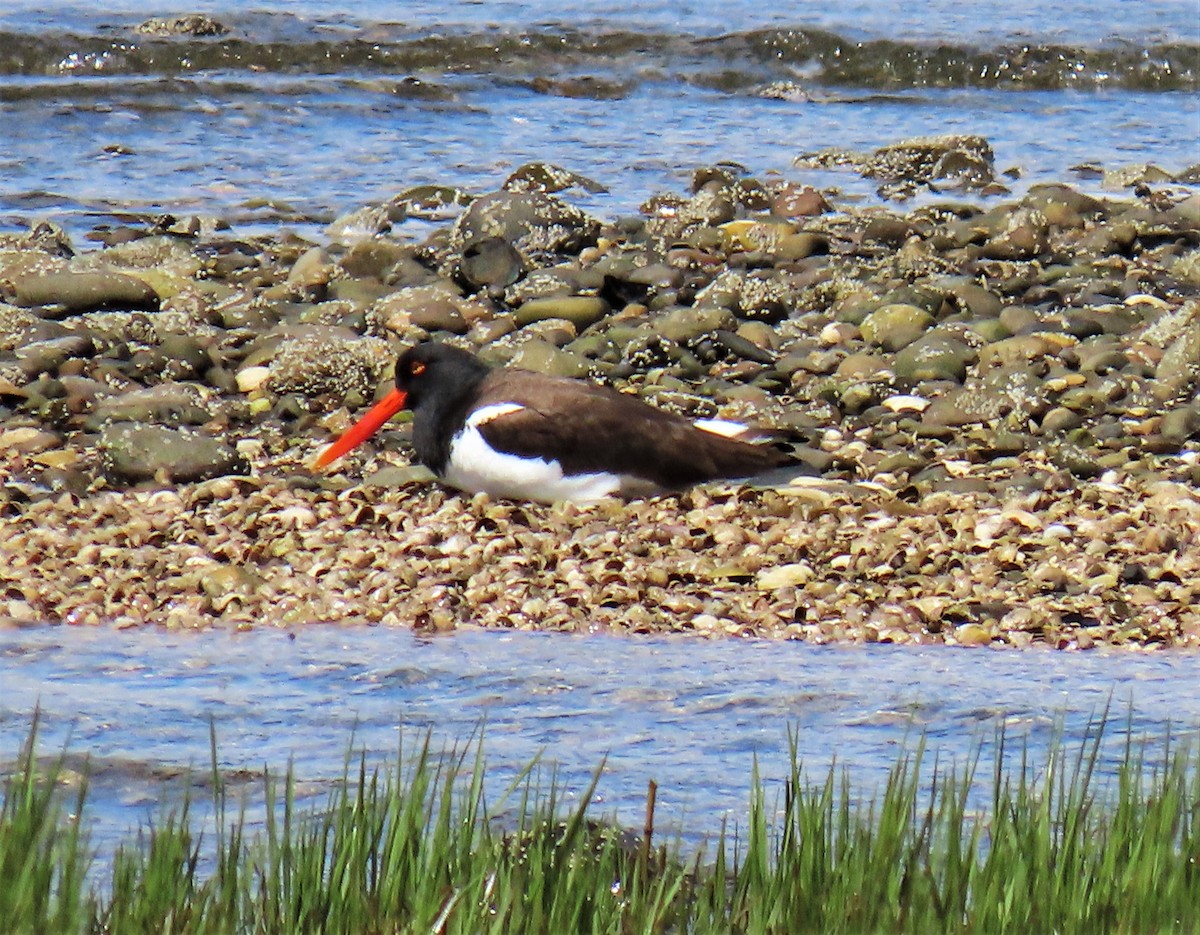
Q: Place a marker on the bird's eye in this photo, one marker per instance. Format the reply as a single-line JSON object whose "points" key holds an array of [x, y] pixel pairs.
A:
{"points": [[416, 368]]}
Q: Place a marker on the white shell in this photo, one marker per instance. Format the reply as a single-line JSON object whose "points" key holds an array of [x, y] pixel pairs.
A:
{"points": [[906, 403], [251, 378]]}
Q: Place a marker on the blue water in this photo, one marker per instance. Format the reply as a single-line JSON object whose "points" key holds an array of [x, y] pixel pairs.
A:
{"points": [[693, 716], [316, 142], [198, 152], [984, 20]]}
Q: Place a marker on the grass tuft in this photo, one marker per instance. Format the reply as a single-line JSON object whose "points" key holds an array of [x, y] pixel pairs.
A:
{"points": [[414, 847]]}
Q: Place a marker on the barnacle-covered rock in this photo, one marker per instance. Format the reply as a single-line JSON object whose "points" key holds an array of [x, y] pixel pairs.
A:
{"points": [[325, 360], [135, 452], [1011, 460]]}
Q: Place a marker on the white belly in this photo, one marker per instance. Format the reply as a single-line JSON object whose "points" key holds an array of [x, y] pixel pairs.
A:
{"points": [[475, 466]]}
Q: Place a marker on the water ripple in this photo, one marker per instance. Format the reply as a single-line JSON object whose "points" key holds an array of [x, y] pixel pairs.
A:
{"points": [[693, 716]]}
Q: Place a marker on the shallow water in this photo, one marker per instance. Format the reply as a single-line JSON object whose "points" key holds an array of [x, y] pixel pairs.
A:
{"points": [[694, 716], [301, 114], [193, 145], [1066, 21]]}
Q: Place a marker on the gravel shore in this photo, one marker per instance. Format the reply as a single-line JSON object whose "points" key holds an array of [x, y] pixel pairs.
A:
{"points": [[999, 393]]}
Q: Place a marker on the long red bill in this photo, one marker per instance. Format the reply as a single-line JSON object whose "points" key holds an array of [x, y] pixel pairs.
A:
{"points": [[364, 428]]}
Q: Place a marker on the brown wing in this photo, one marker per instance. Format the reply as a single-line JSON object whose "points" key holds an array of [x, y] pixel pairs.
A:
{"points": [[590, 428]]}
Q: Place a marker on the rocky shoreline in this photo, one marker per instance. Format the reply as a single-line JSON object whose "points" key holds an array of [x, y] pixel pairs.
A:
{"points": [[998, 391]]}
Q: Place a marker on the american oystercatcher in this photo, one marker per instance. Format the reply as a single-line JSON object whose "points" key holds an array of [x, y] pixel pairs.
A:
{"points": [[524, 435]]}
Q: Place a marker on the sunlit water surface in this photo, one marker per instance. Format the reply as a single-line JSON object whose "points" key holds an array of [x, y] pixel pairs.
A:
{"points": [[265, 143]]}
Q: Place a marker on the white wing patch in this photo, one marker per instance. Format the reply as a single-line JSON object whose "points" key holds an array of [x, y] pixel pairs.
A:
{"points": [[486, 414], [476, 466], [721, 427]]}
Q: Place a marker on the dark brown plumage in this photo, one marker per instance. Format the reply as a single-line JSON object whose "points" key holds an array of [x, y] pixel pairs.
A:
{"points": [[587, 428]]}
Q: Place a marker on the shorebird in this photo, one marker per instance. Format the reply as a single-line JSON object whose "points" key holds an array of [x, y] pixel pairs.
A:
{"points": [[529, 436]]}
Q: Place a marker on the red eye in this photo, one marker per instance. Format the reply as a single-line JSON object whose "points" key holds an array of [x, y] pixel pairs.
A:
{"points": [[416, 368]]}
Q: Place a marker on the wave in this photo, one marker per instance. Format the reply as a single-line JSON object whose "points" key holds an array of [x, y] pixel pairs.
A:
{"points": [[569, 60]]}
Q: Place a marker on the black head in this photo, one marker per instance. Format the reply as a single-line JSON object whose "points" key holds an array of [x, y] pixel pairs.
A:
{"points": [[433, 371]]}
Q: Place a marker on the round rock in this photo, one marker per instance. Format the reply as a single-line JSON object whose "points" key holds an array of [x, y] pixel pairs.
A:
{"points": [[580, 310], [543, 357], [83, 292], [933, 357], [144, 452], [532, 222], [895, 326]]}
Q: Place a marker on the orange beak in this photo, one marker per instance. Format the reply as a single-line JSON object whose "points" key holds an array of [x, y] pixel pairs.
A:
{"points": [[364, 428]]}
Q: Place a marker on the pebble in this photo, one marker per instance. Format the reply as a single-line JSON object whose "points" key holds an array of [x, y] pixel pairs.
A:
{"points": [[580, 310], [895, 326], [999, 399], [68, 293], [251, 378], [134, 452]]}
